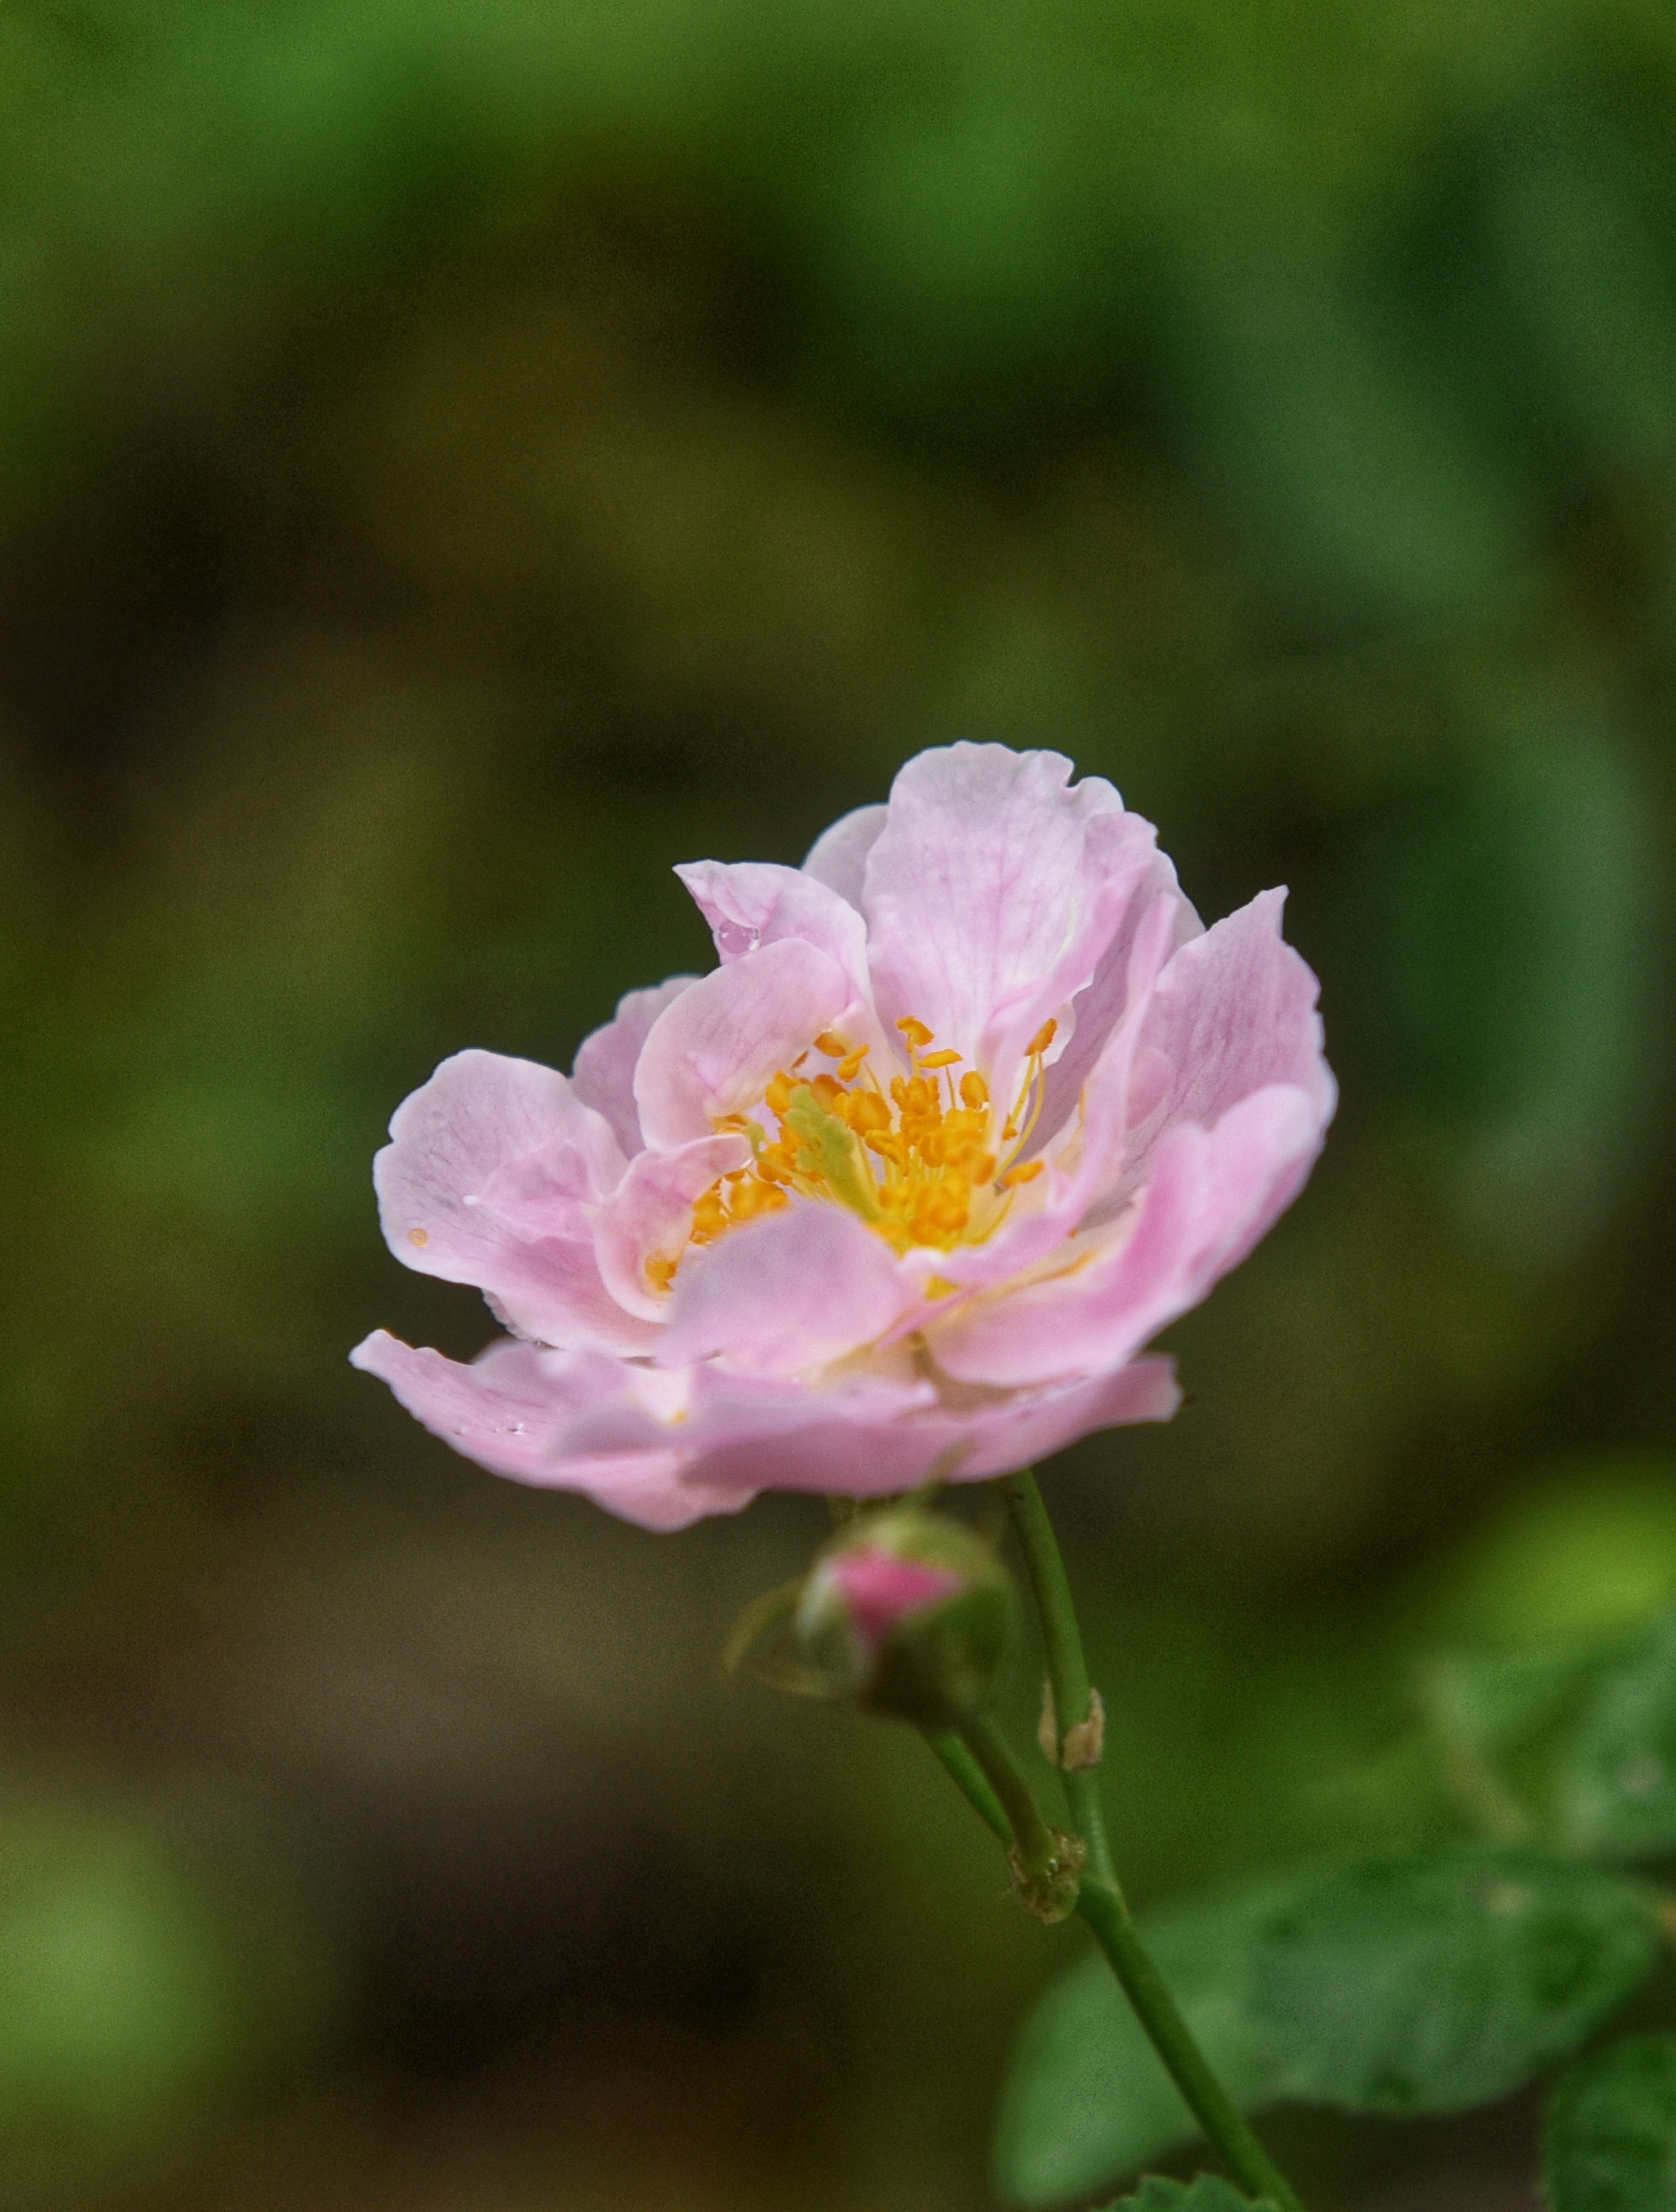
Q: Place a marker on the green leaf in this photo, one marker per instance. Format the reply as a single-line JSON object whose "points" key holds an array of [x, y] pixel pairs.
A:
{"points": [[1618, 1774], [1409, 1982], [1431, 1982], [1500, 1702], [1204, 2194], [1610, 2142], [1086, 2100]]}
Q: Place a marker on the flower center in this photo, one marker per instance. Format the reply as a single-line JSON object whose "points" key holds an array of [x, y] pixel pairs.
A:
{"points": [[919, 1159]]}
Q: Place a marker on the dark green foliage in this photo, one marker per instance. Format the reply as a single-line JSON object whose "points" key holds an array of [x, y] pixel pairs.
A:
{"points": [[1420, 1982], [1617, 1777], [1610, 2143], [1086, 2100], [1432, 1981], [1206, 2193]]}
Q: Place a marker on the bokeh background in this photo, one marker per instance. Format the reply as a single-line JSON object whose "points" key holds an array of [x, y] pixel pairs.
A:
{"points": [[458, 458]]}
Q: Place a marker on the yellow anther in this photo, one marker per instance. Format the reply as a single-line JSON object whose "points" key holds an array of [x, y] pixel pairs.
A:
{"points": [[778, 1095], [753, 1198], [916, 1159], [419, 1237], [867, 1111]]}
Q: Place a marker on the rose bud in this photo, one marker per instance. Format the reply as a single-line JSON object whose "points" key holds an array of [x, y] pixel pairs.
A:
{"points": [[909, 1614]]}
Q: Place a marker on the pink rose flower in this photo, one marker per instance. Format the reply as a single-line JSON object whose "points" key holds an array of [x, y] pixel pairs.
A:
{"points": [[972, 1108]]}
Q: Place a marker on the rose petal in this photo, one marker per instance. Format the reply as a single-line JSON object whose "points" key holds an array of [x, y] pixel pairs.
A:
{"points": [[1232, 1013], [990, 892], [504, 1410], [1210, 1196], [492, 1167], [786, 1293], [838, 857], [605, 1062], [873, 1440], [650, 1216], [712, 1052]]}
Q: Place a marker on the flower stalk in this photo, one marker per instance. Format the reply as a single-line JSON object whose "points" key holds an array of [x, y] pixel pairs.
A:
{"points": [[996, 1789]]}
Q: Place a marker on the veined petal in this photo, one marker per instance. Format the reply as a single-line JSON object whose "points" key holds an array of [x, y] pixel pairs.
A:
{"points": [[1210, 1196], [838, 857], [605, 1062], [750, 903], [1156, 921], [1231, 1014], [488, 1179], [711, 1052], [991, 893], [786, 1294], [505, 1410], [650, 1214], [871, 1437]]}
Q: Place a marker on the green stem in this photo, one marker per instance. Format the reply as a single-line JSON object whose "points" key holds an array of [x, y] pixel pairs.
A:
{"points": [[1108, 1917], [1100, 1901], [968, 1777], [1067, 1669], [1032, 1837]]}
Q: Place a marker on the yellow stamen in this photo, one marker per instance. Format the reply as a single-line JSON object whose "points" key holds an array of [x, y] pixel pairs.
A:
{"points": [[419, 1237], [915, 1157]]}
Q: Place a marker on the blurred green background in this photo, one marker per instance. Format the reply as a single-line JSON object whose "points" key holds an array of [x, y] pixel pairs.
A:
{"points": [[457, 460]]}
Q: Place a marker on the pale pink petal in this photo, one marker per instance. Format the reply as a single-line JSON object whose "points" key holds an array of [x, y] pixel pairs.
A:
{"points": [[605, 1062], [838, 857], [1210, 1196], [479, 1112], [1033, 1427], [1113, 996], [874, 1439], [1084, 1158], [649, 1216], [501, 1411], [991, 895], [1231, 1012], [750, 903], [488, 1177], [505, 1410], [785, 1294], [714, 1051]]}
